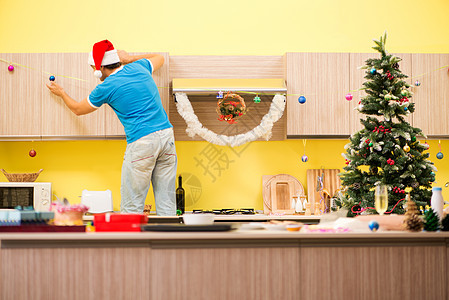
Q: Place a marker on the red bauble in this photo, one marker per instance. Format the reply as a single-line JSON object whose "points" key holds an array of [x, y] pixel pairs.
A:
{"points": [[32, 153]]}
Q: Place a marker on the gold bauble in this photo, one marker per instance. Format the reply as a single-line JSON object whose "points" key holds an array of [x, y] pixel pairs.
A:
{"points": [[406, 148]]}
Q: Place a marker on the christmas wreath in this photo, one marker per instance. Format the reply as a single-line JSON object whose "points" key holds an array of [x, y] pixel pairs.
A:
{"points": [[230, 108]]}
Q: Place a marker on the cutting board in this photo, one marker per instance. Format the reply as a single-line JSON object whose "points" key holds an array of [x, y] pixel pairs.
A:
{"points": [[331, 183], [278, 191]]}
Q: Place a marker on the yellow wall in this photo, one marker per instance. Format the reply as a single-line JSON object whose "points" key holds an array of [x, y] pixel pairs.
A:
{"points": [[203, 27]]}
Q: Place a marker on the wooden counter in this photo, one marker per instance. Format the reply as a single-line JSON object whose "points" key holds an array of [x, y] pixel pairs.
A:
{"points": [[256, 264]]}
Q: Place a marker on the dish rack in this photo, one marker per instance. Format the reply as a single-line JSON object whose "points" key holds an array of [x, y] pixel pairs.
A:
{"points": [[21, 177]]}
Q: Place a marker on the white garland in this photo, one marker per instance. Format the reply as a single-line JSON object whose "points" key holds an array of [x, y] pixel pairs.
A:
{"points": [[263, 130]]}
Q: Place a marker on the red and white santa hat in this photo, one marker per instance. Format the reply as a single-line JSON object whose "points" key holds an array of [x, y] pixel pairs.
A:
{"points": [[103, 54]]}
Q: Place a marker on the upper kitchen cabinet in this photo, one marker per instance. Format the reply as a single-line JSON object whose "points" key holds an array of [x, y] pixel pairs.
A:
{"points": [[222, 70], [431, 98], [21, 96], [323, 78], [357, 79], [161, 78], [76, 77]]}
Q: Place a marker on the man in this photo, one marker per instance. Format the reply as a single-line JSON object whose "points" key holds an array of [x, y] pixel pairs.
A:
{"points": [[133, 95]]}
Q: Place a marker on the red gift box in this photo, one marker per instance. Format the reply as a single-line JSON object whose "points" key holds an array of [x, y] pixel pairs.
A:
{"points": [[119, 222]]}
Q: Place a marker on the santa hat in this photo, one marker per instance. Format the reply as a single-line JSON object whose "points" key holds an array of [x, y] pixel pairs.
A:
{"points": [[103, 54]]}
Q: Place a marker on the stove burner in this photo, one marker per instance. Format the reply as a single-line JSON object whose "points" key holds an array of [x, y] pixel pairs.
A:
{"points": [[226, 211]]}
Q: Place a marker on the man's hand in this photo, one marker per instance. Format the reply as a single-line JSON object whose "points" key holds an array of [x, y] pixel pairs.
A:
{"points": [[125, 58], [56, 89], [78, 108]]}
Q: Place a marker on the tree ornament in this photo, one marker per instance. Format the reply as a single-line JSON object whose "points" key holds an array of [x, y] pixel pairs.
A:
{"points": [[414, 223], [373, 225], [405, 108], [440, 155], [32, 153], [417, 83], [304, 158], [356, 185], [388, 97], [349, 97], [256, 99], [415, 184], [396, 66], [411, 209], [413, 138], [390, 161], [445, 223], [52, 78], [373, 71], [220, 95], [302, 99], [10, 68], [406, 148], [432, 173], [404, 93], [370, 144], [431, 221]]}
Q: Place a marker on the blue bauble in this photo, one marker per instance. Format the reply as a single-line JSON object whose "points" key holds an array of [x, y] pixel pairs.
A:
{"points": [[302, 99], [304, 158], [52, 78], [406, 108], [373, 225], [440, 155], [373, 71]]}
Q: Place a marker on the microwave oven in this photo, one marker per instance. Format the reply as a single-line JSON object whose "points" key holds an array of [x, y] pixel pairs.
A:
{"points": [[35, 194]]}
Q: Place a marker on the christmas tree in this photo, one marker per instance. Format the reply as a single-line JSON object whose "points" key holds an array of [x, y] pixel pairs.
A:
{"points": [[386, 151]]}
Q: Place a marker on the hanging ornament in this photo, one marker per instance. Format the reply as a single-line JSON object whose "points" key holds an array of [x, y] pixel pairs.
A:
{"points": [[32, 153], [304, 158], [52, 78], [406, 148], [417, 83], [302, 99], [413, 138], [390, 161], [349, 97], [356, 185], [388, 97], [220, 95], [396, 66], [404, 92], [370, 144], [10, 68], [440, 154], [405, 108], [256, 99], [373, 71]]}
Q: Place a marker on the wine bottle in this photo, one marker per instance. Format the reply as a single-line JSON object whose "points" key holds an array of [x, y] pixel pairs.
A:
{"points": [[180, 197]]}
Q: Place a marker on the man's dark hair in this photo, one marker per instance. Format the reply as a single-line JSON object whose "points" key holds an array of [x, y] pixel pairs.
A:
{"points": [[113, 66]]}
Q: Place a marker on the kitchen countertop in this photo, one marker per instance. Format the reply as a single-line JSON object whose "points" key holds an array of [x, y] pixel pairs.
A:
{"points": [[232, 218]]}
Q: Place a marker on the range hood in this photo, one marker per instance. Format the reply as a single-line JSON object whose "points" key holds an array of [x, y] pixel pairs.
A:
{"points": [[194, 86]]}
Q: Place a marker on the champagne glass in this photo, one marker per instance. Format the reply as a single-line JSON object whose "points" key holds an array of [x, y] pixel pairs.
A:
{"points": [[381, 199]]}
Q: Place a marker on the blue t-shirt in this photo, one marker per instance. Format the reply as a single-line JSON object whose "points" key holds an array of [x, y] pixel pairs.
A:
{"points": [[133, 95]]}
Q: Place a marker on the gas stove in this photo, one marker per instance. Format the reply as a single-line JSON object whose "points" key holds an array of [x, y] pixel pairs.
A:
{"points": [[226, 211]]}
